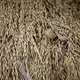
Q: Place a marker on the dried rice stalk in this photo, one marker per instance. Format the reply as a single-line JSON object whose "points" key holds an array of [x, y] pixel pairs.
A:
{"points": [[50, 33], [62, 38], [36, 50]]}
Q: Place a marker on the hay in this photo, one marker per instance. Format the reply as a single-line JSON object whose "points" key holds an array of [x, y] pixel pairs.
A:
{"points": [[39, 40]]}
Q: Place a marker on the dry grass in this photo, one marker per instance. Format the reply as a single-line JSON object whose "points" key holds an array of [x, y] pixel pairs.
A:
{"points": [[39, 39]]}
